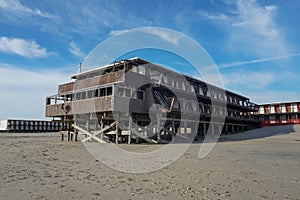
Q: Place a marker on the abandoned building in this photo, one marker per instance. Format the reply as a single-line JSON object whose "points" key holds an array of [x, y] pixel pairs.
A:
{"points": [[115, 101]]}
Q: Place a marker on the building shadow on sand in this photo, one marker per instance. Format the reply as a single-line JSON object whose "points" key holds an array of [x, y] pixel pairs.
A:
{"points": [[260, 133]]}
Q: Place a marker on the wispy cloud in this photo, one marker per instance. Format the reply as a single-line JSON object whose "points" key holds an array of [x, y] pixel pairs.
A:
{"points": [[22, 47], [164, 35], [252, 28], [118, 32], [261, 60], [214, 16], [17, 6], [74, 49]]}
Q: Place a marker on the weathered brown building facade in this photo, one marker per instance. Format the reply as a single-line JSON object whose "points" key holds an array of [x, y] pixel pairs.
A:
{"points": [[117, 102]]}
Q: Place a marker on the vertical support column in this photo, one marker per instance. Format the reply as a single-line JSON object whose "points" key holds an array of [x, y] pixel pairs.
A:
{"points": [[68, 130], [117, 134], [185, 128], [212, 130], [129, 127], [157, 128], [76, 134], [173, 127], [219, 129], [136, 128], [88, 124], [226, 129], [196, 131], [101, 128]]}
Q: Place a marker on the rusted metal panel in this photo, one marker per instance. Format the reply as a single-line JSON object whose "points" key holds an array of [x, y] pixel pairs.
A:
{"points": [[55, 110], [288, 107], [67, 87], [266, 109], [100, 80], [277, 110], [100, 104]]}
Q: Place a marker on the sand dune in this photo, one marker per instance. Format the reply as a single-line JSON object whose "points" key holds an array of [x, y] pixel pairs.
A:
{"points": [[257, 164]]}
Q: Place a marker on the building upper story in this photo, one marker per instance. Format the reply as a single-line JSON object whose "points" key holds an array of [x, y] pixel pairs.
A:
{"points": [[278, 108], [134, 80], [279, 113]]}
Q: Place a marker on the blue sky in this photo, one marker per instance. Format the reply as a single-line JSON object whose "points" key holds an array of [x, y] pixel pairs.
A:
{"points": [[255, 44]]}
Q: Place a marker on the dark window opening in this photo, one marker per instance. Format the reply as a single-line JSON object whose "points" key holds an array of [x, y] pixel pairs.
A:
{"points": [[140, 95], [109, 91], [83, 95], [102, 92], [96, 93]]}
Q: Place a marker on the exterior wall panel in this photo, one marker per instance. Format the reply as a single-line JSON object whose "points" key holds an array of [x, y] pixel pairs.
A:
{"points": [[99, 80], [65, 87], [100, 104]]}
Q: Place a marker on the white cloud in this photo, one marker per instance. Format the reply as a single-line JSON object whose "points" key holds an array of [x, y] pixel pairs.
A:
{"points": [[165, 35], [168, 36], [214, 16], [17, 6], [25, 95], [255, 27], [22, 47], [261, 60], [74, 49], [118, 32], [252, 28]]}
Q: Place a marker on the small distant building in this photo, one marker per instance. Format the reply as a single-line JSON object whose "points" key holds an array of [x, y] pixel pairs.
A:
{"points": [[274, 114], [23, 126]]}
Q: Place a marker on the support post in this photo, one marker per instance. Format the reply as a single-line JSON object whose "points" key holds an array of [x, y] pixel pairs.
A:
{"points": [[117, 134], [157, 128], [101, 127], [88, 124], [185, 128], [226, 129], [76, 135], [136, 128], [129, 127], [173, 127]]}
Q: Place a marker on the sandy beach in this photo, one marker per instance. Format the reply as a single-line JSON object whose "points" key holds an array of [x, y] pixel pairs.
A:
{"points": [[258, 164]]}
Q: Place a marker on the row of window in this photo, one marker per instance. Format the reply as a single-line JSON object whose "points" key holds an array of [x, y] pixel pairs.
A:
{"points": [[101, 92], [131, 93], [32, 123], [182, 84]]}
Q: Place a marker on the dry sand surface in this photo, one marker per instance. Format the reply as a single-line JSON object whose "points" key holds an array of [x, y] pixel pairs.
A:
{"points": [[259, 164]]}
